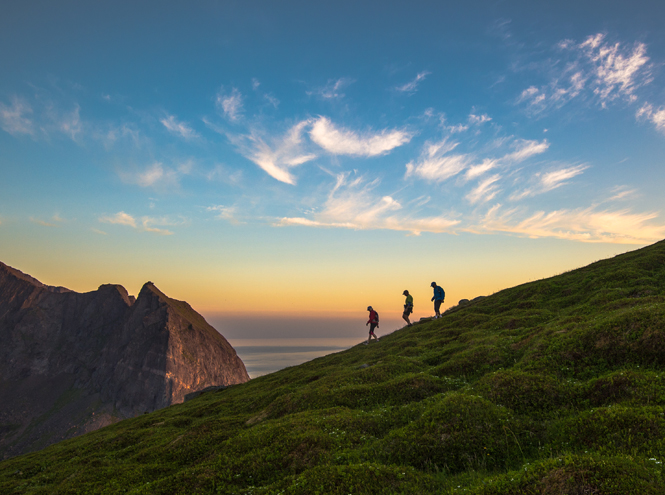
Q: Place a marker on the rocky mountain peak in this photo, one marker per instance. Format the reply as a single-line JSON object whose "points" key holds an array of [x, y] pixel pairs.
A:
{"points": [[72, 362]]}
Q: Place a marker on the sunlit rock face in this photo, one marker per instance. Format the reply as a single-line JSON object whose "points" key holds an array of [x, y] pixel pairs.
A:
{"points": [[72, 363]]}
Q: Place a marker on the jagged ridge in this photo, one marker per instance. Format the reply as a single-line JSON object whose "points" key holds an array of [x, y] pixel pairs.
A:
{"points": [[73, 362]]}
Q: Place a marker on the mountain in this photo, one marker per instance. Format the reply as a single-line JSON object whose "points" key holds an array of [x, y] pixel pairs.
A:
{"points": [[552, 387], [71, 363]]}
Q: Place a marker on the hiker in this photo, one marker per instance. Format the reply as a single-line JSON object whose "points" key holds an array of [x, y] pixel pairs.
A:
{"points": [[408, 307], [373, 323], [439, 296]]}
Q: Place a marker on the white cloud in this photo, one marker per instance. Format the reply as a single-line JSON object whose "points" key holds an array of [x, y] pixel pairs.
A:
{"points": [[228, 213], [342, 141], [333, 89], [272, 100], [277, 158], [618, 72], [586, 225], [180, 128], [454, 129], [595, 69], [158, 176], [478, 170], [485, 191], [557, 178], [70, 123], [120, 218], [622, 193], [412, 86], [352, 204], [526, 149], [656, 117], [435, 164], [230, 104], [548, 181], [14, 119], [145, 225], [479, 119], [43, 223]]}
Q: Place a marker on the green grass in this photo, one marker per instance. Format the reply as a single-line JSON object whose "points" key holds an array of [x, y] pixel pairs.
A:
{"points": [[552, 387]]}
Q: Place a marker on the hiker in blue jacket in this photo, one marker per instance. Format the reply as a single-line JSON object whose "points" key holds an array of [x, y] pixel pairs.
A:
{"points": [[439, 296]]}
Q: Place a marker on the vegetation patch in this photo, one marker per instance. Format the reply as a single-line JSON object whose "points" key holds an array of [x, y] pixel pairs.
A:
{"points": [[553, 387]]}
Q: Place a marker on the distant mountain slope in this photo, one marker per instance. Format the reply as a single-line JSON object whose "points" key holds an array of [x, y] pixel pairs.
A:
{"points": [[71, 363], [552, 387]]}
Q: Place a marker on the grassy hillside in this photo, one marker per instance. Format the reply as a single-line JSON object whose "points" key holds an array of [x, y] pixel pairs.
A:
{"points": [[552, 387]]}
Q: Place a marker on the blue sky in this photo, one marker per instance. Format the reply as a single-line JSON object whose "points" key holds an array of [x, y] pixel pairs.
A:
{"points": [[251, 143]]}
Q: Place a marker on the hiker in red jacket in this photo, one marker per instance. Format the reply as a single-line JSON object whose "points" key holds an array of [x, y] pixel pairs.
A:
{"points": [[373, 323]]}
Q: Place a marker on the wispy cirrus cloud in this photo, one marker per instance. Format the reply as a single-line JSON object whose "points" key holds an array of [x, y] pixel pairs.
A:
{"points": [[144, 224], [472, 120], [617, 72], [120, 218], [341, 141], [586, 225], [524, 149], [475, 171], [353, 204], [594, 69], [485, 191], [69, 123], [655, 116], [278, 156], [436, 163], [16, 119], [479, 119], [333, 89], [412, 86], [55, 221], [158, 176], [230, 103], [179, 128], [621, 193], [547, 181], [228, 213]]}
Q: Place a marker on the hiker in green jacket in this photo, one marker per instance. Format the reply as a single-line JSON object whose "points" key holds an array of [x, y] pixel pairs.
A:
{"points": [[408, 306]]}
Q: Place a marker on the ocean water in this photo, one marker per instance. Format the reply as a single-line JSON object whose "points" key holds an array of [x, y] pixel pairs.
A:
{"points": [[263, 356]]}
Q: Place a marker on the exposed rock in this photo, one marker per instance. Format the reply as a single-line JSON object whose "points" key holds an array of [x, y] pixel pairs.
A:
{"points": [[71, 362], [462, 302]]}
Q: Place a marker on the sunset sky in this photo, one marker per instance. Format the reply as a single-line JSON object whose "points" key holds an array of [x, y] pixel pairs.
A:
{"points": [[265, 160]]}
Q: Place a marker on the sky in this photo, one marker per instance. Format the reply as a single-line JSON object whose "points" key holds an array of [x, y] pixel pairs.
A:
{"points": [[295, 162]]}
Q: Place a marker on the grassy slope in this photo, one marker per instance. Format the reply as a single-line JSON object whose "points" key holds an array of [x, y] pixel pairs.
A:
{"points": [[553, 387]]}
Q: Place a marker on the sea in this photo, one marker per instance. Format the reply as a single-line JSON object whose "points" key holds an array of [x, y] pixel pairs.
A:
{"points": [[263, 356]]}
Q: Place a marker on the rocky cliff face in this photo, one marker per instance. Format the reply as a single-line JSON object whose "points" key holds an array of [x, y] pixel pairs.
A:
{"points": [[71, 362]]}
